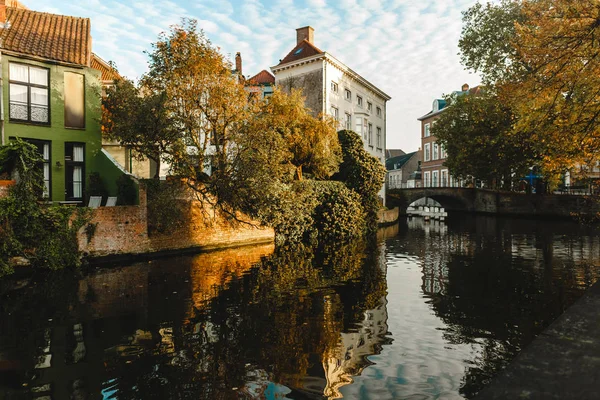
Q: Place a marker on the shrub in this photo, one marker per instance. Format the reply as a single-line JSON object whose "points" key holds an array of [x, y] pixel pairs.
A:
{"points": [[362, 173], [127, 193], [96, 186]]}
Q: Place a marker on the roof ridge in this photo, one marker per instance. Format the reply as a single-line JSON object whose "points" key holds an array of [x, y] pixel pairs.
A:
{"points": [[290, 56]]}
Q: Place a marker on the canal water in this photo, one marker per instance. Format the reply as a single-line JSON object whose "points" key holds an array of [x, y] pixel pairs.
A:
{"points": [[432, 311]]}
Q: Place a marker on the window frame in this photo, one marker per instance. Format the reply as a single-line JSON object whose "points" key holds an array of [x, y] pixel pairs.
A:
{"points": [[370, 133], [436, 151], [379, 135], [334, 87], [378, 111], [359, 101], [336, 114], [29, 86], [369, 106], [70, 163], [349, 121], [348, 94], [427, 130], [426, 179], [427, 152]]}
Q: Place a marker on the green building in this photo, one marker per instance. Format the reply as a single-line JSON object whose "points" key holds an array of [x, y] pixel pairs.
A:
{"points": [[51, 97]]}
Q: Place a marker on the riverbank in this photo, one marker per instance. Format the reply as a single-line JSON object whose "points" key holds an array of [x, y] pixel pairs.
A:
{"points": [[563, 362]]}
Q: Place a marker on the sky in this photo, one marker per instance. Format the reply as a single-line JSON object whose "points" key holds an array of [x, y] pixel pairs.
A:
{"points": [[407, 48]]}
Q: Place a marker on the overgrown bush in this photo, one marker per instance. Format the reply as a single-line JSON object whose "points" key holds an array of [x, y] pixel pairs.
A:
{"points": [[126, 191], [316, 212], [362, 173], [44, 235], [96, 186], [165, 205]]}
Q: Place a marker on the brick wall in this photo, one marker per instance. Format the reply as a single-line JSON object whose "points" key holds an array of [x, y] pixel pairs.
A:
{"points": [[124, 230]]}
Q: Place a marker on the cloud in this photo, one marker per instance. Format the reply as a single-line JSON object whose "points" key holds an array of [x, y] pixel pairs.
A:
{"points": [[407, 48]]}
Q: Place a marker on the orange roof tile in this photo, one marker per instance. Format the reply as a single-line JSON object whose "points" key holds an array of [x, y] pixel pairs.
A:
{"points": [[108, 73], [49, 36], [304, 49], [264, 77]]}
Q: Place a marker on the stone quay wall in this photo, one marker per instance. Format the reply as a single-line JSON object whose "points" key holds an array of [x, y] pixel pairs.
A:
{"points": [[123, 230]]}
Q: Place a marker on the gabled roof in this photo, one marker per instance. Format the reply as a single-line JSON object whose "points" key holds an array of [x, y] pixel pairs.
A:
{"points": [[108, 73], [396, 163], [442, 102], [264, 77], [389, 153], [304, 49], [49, 36]]}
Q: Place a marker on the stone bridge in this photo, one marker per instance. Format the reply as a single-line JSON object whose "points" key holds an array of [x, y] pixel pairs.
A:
{"points": [[496, 202]]}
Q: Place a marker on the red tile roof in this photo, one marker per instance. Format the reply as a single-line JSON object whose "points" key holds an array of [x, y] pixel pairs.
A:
{"points": [[108, 73], [49, 36], [264, 77], [304, 49]]}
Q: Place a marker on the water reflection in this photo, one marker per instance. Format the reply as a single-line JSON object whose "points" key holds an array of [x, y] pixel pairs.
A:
{"points": [[433, 311], [234, 324]]}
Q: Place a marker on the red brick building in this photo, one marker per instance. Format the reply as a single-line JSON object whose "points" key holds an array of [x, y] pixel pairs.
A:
{"points": [[434, 172]]}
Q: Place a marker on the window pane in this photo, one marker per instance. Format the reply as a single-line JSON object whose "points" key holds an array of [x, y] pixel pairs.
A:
{"points": [[18, 72], [18, 102], [77, 176], [38, 76], [78, 152], [46, 179], [74, 101], [39, 96]]}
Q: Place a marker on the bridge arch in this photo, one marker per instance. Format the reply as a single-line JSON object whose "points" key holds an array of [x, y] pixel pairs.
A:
{"points": [[452, 199]]}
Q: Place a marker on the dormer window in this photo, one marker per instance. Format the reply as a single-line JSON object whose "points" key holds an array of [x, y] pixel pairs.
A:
{"points": [[298, 51]]}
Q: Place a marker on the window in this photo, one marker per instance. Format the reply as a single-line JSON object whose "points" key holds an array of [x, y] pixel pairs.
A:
{"points": [[379, 111], [442, 152], [29, 99], [444, 178], [359, 126], [436, 155], [427, 155], [74, 170], [370, 134], [426, 179], [369, 106], [434, 178], [334, 87], [379, 138], [348, 121], [365, 129], [427, 132], [359, 101], [74, 100], [335, 113], [348, 95]]}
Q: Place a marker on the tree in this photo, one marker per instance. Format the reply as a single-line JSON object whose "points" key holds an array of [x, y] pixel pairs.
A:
{"points": [[362, 173], [558, 101], [486, 39], [141, 122], [476, 131]]}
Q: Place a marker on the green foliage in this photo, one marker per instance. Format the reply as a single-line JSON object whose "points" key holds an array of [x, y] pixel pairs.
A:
{"points": [[96, 186], [166, 211], [485, 43], [44, 235], [127, 192], [477, 133], [317, 212], [362, 173]]}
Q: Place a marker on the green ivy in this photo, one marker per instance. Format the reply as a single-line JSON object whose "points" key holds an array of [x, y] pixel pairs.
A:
{"points": [[45, 235]]}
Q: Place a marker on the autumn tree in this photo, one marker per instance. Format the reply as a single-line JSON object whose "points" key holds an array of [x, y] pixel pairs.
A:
{"points": [[139, 119], [476, 132]]}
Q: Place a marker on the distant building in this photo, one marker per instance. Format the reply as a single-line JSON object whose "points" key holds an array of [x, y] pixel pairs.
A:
{"points": [[434, 172], [262, 83], [389, 153], [400, 168], [332, 87]]}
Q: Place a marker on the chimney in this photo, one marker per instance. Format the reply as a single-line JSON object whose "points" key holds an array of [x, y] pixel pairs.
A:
{"points": [[238, 62], [465, 87], [307, 33]]}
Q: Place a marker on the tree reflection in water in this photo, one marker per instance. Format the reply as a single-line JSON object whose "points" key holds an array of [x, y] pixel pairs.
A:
{"points": [[240, 323]]}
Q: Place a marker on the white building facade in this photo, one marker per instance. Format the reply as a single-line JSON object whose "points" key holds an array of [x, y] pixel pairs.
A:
{"points": [[332, 87]]}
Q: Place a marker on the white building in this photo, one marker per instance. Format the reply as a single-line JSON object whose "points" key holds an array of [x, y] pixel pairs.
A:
{"points": [[332, 87]]}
